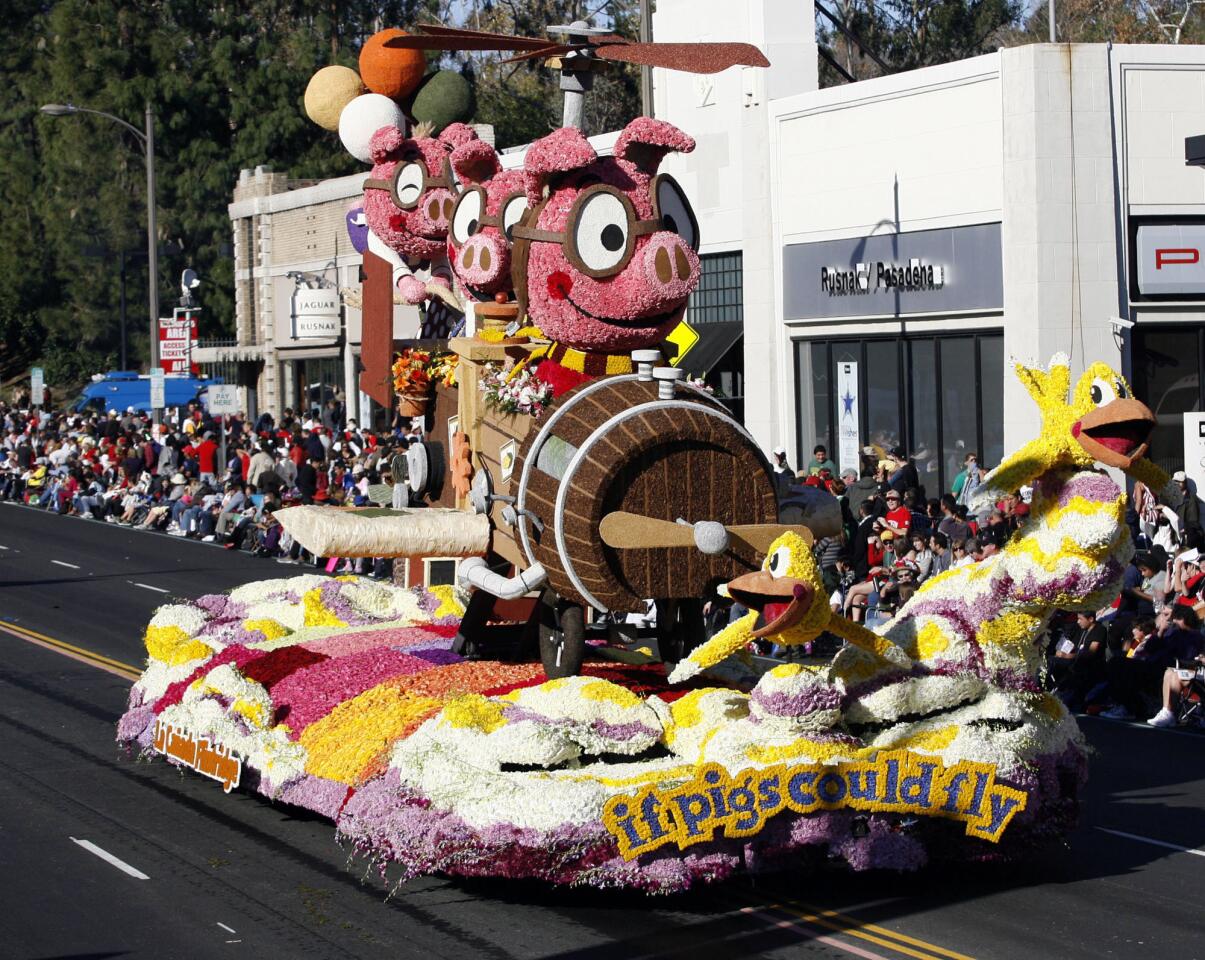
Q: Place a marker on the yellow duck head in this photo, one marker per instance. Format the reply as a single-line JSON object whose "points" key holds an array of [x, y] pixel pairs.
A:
{"points": [[1097, 422], [788, 591]]}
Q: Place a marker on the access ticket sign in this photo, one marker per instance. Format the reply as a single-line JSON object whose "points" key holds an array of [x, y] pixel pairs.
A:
{"points": [[177, 340], [739, 805]]}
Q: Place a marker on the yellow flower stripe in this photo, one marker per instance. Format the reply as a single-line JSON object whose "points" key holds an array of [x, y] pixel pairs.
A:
{"points": [[822, 752], [271, 629], [345, 743], [173, 646], [317, 614]]}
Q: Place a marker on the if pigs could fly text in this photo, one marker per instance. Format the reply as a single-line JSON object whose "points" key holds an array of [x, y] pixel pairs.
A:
{"points": [[739, 805]]}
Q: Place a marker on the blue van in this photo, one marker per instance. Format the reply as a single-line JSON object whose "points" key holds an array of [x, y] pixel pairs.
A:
{"points": [[121, 389]]}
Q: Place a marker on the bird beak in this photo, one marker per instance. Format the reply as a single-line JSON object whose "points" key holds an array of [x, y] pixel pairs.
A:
{"points": [[782, 601], [1116, 434]]}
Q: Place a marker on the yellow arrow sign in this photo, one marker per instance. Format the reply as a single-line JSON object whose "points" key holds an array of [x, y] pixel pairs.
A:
{"points": [[683, 336]]}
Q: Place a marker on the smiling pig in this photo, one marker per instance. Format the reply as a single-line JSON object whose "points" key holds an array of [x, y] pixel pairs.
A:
{"points": [[604, 260]]}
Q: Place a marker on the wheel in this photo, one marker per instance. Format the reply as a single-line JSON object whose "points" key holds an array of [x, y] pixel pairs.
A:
{"points": [[680, 628], [562, 636]]}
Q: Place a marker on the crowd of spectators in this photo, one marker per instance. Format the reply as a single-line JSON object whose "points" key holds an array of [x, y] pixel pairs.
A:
{"points": [[120, 468], [1143, 657]]}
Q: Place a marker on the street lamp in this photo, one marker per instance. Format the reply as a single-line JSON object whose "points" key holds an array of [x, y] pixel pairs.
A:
{"points": [[148, 141]]}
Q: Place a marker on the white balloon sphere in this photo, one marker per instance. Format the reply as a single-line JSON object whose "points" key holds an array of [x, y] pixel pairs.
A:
{"points": [[363, 117]]}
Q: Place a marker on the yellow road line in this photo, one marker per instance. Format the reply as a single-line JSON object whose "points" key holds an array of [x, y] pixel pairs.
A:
{"points": [[854, 921], [853, 927], [90, 657]]}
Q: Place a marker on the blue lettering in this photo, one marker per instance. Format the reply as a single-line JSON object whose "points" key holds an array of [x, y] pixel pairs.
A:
{"points": [[864, 789], [796, 785], [769, 796], [693, 808], [915, 789], [831, 788]]}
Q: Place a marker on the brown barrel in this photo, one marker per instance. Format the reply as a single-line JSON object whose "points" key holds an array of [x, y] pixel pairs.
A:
{"points": [[683, 458]]}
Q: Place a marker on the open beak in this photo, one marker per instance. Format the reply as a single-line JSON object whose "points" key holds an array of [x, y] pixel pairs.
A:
{"points": [[1116, 434], [782, 601]]}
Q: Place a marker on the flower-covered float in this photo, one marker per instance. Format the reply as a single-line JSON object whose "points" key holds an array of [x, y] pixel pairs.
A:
{"points": [[929, 740]]}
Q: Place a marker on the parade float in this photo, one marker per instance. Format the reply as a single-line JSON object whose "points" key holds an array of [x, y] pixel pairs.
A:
{"points": [[928, 740]]}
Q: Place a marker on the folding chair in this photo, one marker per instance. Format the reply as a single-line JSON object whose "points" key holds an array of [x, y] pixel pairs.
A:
{"points": [[1192, 700]]}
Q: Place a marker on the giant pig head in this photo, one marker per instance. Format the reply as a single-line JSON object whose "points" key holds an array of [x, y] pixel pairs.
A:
{"points": [[606, 258], [479, 237], [408, 199]]}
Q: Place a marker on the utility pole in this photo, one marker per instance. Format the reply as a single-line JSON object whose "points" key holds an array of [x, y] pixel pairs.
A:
{"points": [[646, 72], [1050, 14], [152, 245]]}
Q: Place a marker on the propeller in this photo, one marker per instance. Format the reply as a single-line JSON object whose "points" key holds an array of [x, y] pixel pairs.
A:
{"points": [[632, 531], [689, 57]]}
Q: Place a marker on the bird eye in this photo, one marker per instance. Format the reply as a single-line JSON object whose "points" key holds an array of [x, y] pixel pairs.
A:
{"points": [[466, 217], [1102, 392], [1122, 392], [778, 562], [512, 213], [601, 233]]}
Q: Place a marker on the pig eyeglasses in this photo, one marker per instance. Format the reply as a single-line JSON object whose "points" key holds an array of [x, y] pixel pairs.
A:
{"points": [[410, 181], [600, 235]]}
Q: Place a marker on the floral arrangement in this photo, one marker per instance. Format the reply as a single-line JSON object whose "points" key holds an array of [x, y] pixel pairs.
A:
{"points": [[412, 372], [345, 697], [514, 390], [443, 368]]}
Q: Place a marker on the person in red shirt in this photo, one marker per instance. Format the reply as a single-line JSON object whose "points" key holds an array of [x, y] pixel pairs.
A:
{"points": [[207, 452], [898, 517]]}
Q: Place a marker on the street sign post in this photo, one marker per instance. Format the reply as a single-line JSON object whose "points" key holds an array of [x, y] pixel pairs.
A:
{"points": [[158, 390], [37, 387], [222, 399]]}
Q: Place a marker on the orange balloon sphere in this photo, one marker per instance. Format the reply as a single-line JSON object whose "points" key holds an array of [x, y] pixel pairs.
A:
{"points": [[390, 71]]}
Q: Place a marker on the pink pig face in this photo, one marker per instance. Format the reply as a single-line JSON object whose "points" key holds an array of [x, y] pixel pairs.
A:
{"points": [[408, 199], [479, 237], [608, 259]]}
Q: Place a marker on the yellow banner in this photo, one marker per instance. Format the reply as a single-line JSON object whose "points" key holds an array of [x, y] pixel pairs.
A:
{"points": [[897, 781]]}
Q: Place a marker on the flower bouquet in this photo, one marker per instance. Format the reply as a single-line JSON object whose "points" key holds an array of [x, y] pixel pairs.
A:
{"points": [[412, 380], [514, 391]]}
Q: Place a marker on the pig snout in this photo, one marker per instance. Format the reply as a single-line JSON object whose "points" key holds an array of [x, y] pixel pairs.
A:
{"points": [[670, 266], [484, 260], [435, 211]]}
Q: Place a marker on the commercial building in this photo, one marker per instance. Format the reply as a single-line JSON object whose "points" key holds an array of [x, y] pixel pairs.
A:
{"points": [[877, 255], [927, 229]]}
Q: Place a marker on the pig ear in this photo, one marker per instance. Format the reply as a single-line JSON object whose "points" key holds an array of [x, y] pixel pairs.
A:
{"points": [[384, 142], [645, 142], [456, 135], [475, 162], [559, 152]]}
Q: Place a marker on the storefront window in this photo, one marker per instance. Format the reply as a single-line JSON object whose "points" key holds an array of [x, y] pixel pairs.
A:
{"points": [[959, 400], [1167, 362], [922, 399], [953, 404], [882, 393]]}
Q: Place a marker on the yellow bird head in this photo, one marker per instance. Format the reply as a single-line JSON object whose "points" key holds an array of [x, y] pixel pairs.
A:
{"points": [[788, 591], [1098, 421]]}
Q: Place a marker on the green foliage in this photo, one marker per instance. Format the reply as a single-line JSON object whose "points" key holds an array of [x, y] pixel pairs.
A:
{"points": [[225, 82], [907, 34]]}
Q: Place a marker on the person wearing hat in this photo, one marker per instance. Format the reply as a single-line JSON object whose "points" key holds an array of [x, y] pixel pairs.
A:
{"points": [[782, 469], [1189, 509]]}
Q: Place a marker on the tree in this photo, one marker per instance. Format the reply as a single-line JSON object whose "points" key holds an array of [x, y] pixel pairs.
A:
{"points": [[907, 34]]}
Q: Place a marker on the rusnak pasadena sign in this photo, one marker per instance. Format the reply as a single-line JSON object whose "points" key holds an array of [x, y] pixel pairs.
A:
{"points": [[949, 270], [868, 277], [739, 805]]}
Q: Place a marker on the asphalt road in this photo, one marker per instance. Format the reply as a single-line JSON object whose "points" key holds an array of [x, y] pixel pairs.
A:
{"points": [[219, 876]]}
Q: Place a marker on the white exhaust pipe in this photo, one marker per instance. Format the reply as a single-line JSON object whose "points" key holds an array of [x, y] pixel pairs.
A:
{"points": [[474, 572]]}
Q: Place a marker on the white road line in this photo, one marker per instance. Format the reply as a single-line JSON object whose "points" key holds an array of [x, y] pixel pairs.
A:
{"points": [[147, 586], [109, 858], [2, 547], [62, 563], [1156, 843], [226, 928]]}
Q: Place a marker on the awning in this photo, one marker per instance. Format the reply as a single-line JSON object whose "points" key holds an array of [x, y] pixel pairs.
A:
{"points": [[715, 340], [233, 352]]}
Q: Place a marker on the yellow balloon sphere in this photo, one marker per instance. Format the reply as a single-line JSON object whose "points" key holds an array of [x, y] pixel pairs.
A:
{"points": [[328, 92]]}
